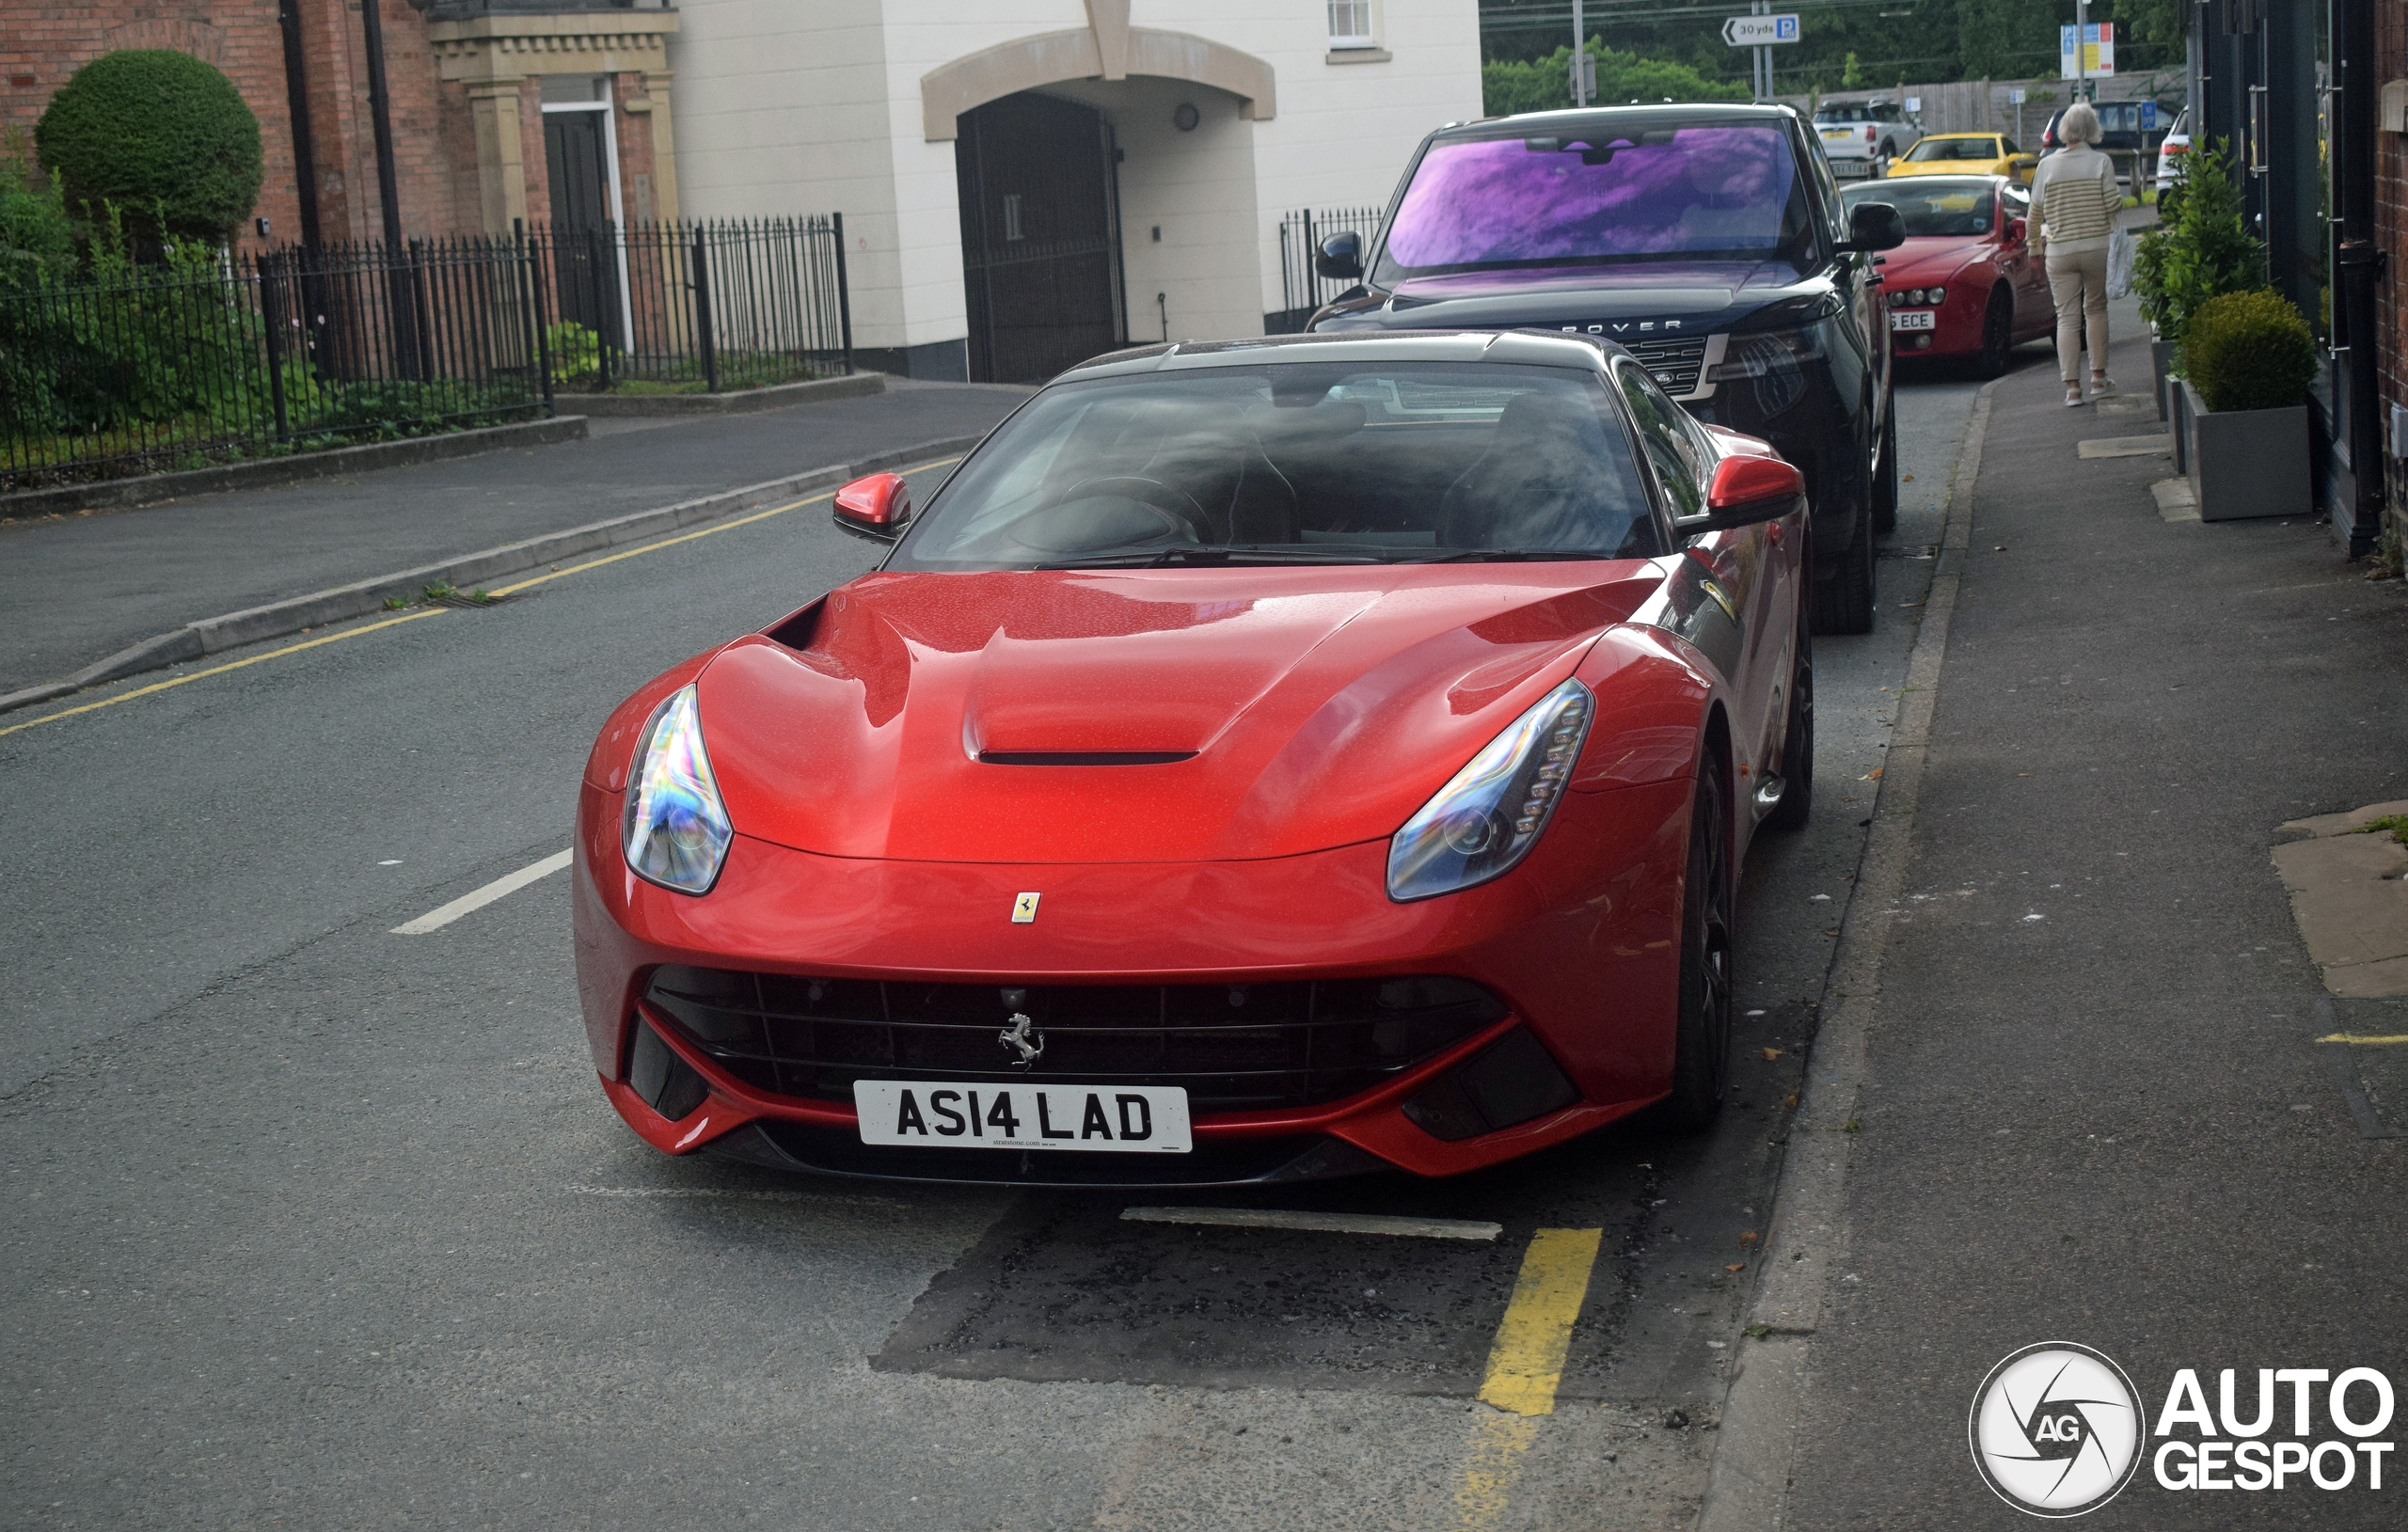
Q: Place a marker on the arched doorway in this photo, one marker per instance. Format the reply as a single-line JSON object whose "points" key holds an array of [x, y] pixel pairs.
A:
{"points": [[1040, 236]]}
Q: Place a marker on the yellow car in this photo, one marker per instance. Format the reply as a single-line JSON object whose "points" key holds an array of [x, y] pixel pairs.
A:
{"points": [[1967, 154]]}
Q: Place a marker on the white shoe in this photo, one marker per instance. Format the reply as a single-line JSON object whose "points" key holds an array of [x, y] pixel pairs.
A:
{"points": [[2100, 384], [2073, 397]]}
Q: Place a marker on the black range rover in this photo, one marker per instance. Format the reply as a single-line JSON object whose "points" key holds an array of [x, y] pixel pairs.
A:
{"points": [[1711, 241]]}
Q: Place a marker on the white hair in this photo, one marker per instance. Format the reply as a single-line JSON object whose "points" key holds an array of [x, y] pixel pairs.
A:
{"points": [[2080, 125]]}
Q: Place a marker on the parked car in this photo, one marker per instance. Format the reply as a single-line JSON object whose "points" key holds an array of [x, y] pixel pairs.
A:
{"points": [[1965, 154], [1861, 137], [1710, 239], [2119, 123], [1966, 284], [2170, 150], [1263, 759]]}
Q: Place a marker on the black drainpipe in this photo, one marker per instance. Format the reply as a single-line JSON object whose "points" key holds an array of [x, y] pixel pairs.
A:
{"points": [[297, 102], [2361, 261]]}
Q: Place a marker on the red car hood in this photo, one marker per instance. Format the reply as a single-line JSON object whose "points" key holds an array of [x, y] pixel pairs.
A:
{"points": [[1930, 260], [1322, 706]]}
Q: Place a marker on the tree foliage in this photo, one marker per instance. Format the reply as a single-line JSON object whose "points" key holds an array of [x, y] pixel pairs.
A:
{"points": [[37, 238], [160, 135], [1544, 84]]}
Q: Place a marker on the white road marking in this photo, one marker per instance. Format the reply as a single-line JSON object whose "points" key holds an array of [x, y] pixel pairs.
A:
{"points": [[434, 920], [1280, 1218]]}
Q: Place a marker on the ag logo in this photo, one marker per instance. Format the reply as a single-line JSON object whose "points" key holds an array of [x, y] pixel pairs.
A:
{"points": [[2056, 1430]]}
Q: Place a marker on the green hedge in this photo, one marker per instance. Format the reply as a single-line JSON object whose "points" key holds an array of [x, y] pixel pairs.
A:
{"points": [[1544, 84], [162, 136]]}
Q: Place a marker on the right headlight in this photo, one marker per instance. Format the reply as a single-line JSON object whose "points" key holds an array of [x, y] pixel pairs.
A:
{"points": [[1489, 816], [676, 832], [1773, 362]]}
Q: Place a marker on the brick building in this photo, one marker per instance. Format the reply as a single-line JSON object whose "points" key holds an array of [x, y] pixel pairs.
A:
{"points": [[494, 104]]}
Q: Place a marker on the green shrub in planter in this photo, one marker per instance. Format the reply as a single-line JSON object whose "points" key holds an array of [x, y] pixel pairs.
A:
{"points": [[160, 135], [2249, 351]]}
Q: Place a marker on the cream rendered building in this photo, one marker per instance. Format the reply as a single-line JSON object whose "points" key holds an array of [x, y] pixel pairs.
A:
{"points": [[1028, 182]]}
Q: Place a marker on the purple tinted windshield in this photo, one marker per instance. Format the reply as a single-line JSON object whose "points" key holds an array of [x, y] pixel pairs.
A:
{"points": [[1491, 201]]}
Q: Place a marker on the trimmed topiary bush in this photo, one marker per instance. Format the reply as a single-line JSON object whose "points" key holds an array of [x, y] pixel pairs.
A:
{"points": [[162, 136], [2249, 351]]}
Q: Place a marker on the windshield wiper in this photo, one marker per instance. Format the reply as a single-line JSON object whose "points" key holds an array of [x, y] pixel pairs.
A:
{"points": [[1509, 556], [1183, 553]]}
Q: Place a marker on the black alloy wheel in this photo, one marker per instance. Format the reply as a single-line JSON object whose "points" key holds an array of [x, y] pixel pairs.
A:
{"points": [[1998, 333], [1885, 486], [1702, 1038], [1798, 744], [1843, 603]]}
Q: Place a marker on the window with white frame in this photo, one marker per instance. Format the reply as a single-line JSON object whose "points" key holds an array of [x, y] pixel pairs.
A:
{"points": [[1350, 24]]}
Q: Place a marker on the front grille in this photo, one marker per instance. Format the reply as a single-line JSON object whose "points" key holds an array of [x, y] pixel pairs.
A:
{"points": [[1676, 363], [1233, 1048]]}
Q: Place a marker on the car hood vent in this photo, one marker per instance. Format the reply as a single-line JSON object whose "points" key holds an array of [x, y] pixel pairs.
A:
{"points": [[1085, 758]]}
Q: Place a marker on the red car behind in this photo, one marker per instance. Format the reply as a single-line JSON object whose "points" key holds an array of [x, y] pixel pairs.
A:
{"points": [[1967, 284]]}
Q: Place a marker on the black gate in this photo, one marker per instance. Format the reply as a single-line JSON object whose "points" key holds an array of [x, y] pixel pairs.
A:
{"points": [[1041, 237], [584, 263]]}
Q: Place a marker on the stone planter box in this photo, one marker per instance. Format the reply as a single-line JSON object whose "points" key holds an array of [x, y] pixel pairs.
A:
{"points": [[2160, 362], [2244, 464]]}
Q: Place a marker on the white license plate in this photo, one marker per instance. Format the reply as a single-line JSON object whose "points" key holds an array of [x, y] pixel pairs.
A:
{"points": [[935, 1115], [1913, 319]]}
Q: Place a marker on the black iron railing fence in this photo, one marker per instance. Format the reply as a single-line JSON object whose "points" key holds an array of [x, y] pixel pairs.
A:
{"points": [[709, 307], [1300, 235], [194, 363]]}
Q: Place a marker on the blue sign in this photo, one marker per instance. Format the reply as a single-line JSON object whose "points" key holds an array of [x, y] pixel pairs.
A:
{"points": [[2148, 117], [1785, 28]]}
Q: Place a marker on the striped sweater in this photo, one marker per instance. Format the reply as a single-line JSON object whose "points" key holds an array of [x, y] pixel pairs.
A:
{"points": [[2074, 194]]}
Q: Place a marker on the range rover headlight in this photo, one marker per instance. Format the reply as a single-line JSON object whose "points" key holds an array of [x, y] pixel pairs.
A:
{"points": [[1489, 816], [1773, 363], [676, 830]]}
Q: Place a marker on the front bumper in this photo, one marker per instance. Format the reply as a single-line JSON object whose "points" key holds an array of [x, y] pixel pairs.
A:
{"points": [[1581, 943]]}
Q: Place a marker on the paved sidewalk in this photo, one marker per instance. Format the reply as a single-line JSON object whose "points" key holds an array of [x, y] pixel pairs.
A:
{"points": [[80, 588], [2093, 1108]]}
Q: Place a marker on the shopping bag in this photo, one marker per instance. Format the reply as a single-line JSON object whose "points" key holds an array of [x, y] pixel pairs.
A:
{"points": [[2121, 250]]}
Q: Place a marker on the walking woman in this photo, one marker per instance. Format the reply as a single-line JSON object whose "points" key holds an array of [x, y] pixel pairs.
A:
{"points": [[2074, 196]]}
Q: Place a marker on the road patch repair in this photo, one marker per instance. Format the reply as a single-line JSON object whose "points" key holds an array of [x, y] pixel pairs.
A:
{"points": [[2345, 873]]}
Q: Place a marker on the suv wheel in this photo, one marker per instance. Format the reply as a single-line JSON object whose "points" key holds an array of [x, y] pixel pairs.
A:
{"points": [[1843, 602], [1885, 487]]}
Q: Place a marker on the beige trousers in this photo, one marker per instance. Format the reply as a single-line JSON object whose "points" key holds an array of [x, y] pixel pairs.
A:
{"points": [[2079, 284]]}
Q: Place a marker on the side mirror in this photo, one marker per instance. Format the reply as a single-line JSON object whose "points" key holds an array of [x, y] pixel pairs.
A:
{"points": [[877, 506], [1874, 225], [1748, 488], [1341, 257], [2017, 230]]}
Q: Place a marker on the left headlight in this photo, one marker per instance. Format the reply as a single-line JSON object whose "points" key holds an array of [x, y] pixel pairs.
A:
{"points": [[1489, 816], [675, 829]]}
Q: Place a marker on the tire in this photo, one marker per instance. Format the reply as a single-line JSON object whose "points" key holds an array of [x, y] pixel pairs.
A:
{"points": [[1998, 333], [1843, 603], [1702, 1032], [1885, 488], [1797, 745]]}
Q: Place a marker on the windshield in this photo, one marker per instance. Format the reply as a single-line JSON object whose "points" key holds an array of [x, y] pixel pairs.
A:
{"points": [[1954, 149], [1598, 197], [1934, 207], [1296, 464]]}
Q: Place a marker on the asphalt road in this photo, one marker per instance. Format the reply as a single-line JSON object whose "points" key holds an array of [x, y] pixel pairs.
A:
{"points": [[81, 588], [318, 1223]]}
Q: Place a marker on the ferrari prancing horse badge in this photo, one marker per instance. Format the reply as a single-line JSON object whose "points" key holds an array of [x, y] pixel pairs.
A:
{"points": [[1024, 910]]}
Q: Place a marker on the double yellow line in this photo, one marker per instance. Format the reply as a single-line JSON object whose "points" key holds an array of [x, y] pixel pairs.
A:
{"points": [[158, 687], [1525, 1369]]}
